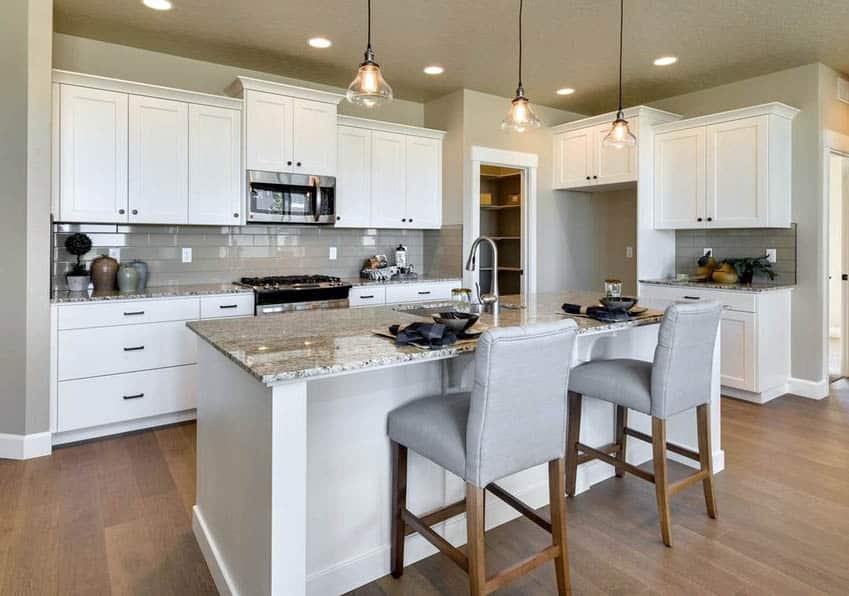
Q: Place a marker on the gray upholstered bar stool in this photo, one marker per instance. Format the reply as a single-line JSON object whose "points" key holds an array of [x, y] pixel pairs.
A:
{"points": [[678, 380], [513, 419]]}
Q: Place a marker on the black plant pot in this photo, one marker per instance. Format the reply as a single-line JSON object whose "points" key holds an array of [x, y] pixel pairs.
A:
{"points": [[747, 275]]}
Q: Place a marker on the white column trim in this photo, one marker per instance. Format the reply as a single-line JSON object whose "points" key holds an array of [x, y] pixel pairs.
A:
{"points": [[25, 446]]}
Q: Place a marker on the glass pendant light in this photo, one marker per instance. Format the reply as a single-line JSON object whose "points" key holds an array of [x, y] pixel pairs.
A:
{"points": [[521, 116], [620, 135], [369, 89]]}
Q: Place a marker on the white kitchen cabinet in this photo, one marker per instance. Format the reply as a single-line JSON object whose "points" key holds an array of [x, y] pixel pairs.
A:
{"points": [[377, 294], [727, 170], [269, 133], [353, 180], [679, 179], [574, 158], [92, 158], [615, 165], [424, 182], [158, 160], [738, 350], [582, 162], [368, 295], [315, 137], [388, 180], [215, 166]]}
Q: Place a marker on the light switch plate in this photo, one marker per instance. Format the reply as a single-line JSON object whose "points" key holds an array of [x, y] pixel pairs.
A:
{"points": [[187, 255], [705, 251], [629, 252], [771, 255], [332, 253]]}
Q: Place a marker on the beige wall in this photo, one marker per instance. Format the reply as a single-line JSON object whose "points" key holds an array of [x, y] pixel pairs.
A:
{"points": [[25, 34], [80, 54], [446, 113]]}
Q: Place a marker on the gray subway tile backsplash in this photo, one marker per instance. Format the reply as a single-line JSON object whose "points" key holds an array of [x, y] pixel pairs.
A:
{"points": [[223, 254]]}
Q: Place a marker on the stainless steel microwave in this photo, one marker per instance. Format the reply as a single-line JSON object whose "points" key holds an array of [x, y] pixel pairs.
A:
{"points": [[274, 197]]}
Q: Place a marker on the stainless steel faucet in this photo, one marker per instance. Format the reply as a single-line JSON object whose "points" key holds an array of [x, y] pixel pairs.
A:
{"points": [[489, 300]]}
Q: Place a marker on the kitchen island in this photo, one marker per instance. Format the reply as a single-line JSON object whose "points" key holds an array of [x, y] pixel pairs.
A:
{"points": [[293, 461]]}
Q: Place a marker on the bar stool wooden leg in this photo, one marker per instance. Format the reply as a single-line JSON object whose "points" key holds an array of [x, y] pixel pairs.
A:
{"points": [[621, 438], [574, 430], [557, 505], [706, 457], [661, 479], [475, 545], [399, 503]]}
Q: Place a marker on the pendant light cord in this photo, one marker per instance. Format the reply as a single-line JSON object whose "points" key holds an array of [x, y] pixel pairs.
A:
{"points": [[521, 6], [369, 25], [621, 28]]}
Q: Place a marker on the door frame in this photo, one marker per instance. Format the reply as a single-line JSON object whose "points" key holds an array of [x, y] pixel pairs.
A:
{"points": [[835, 144], [528, 163]]}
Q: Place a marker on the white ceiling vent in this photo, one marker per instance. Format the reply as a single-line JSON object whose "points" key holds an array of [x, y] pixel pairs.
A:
{"points": [[843, 90]]}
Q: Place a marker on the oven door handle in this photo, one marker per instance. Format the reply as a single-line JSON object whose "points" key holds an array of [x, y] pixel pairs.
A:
{"points": [[317, 199]]}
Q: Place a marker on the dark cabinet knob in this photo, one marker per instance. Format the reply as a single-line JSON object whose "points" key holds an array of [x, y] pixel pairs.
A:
{"points": [[403, 219], [135, 211], [710, 219], [338, 218], [698, 219], [595, 177], [121, 211], [588, 177], [288, 163], [298, 164], [235, 215]]}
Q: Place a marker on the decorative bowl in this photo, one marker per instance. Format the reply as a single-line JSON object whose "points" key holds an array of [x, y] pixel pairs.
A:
{"points": [[617, 303], [457, 322]]}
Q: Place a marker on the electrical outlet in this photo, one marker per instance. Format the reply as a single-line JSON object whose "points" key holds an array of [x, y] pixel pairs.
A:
{"points": [[771, 255], [629, 252], [115, 253], [187, 255], [332, 253], [706, 251]]}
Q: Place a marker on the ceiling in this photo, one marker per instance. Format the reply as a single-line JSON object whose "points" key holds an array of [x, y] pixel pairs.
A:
{"points": [[568, 43]]}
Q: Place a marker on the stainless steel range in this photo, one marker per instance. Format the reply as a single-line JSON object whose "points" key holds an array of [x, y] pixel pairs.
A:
{"points": [[285, 293]]}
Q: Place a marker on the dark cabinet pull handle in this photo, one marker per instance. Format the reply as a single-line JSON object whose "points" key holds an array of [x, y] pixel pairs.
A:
{"points": [[134, 313], [710, 219], [411, 220], [338, 218], [135, 211], [691, 298], [595, 177], [121, 211], [235, 215], [367, 297], [698, 219], [229, 306], [403, 219], [298, 164], [588, 177], [424, 293], [288, 163], [136, 396], [134, 349]]}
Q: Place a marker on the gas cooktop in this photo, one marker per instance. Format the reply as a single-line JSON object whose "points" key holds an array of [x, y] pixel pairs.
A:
{"points": [[288, 282]]}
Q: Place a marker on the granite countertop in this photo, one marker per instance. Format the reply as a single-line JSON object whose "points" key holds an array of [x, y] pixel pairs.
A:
{"points": [[357, 281], [312, 344], [177, 291], [763, 286]]}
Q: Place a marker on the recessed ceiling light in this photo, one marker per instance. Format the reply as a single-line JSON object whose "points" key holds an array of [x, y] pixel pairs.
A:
{"points": [[666, 60], [319, 42], [158, 4], [433, 70], [565, 91]]}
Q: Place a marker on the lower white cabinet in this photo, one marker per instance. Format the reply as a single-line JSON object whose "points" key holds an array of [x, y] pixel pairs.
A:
{"points": [[371, 295], [754, 337], [117, 363], [399, 293]]}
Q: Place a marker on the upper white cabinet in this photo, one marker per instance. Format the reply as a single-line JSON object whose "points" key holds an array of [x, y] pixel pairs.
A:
{"points": [[134, 153], [727, 170], [158, 161], [389, 175], [289, 129], [614, 165], [574, 161], [215, 172], [92, 151]]}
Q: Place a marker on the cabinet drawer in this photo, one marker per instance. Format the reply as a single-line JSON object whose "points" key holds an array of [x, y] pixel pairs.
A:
{"points": [[230, 305], [730, 299], [111, 350], [104, 400], [106, 313], [419, 292], [367, 295]]}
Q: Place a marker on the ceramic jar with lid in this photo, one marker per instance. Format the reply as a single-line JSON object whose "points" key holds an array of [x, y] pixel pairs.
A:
{"points": [[128, 278], [104, 270]]}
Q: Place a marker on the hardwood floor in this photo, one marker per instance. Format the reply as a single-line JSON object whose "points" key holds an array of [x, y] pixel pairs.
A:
{"points": [[113, 516]]}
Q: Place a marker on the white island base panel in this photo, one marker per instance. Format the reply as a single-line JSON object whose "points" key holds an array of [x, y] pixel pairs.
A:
{"points": [[293, 487]]}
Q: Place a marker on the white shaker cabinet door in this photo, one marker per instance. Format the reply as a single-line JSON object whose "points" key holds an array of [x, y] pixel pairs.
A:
{"points": [[737, 173], [314, 138], [92, 155], [615, 165], [679, 179], [575, 158], [158, 161], [738, 350], [214, 166], [424, 182], [269, 132], [353, 180], [388, 180]]}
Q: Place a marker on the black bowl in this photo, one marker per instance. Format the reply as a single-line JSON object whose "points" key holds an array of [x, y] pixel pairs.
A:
{"points": [[617, 304], [456, 321]]}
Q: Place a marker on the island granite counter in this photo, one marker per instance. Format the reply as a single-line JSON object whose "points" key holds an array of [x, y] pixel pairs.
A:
{"points": [[293, 470]]}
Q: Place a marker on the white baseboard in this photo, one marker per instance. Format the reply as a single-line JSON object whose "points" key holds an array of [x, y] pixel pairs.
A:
{"points": [[86, 434], [25, 446], [212, 555], [755, 398], [809, 389]]}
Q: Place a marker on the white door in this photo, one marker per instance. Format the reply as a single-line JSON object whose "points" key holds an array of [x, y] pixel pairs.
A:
{"points": [[575, 165], [615, 165], [158, 161], [388, 180], [737, 173], [268, 119], [215, 164], [679, 179], [424, 182], [353, 179], [314, 138], [738, 350], [92, 155]]}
